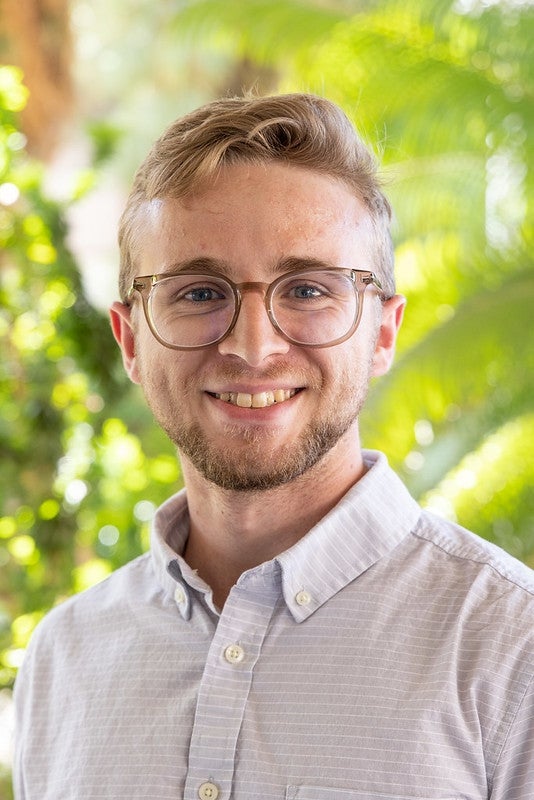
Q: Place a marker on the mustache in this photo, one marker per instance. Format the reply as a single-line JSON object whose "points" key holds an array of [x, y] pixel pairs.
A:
{"points": [[283, 374]]}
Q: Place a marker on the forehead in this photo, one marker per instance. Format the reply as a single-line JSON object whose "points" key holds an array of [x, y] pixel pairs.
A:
{"points": [[253, 217]]}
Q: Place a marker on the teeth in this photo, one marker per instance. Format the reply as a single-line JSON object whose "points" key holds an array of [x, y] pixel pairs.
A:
{"points": [[257, 400]]}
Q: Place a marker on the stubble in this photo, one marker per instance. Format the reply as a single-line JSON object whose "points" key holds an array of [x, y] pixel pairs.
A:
{"points": [[253, 461]]}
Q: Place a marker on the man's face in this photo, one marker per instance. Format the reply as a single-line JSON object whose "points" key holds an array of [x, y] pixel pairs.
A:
{"points": [[248, 224]]}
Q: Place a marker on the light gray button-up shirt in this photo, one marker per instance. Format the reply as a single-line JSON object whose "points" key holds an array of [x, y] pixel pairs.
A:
{"points": [[388, 655]]}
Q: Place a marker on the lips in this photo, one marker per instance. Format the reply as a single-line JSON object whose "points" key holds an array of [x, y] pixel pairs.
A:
{"points": [[258, 399]]}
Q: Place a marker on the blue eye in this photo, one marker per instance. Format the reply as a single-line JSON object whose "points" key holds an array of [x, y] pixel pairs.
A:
{"points": [[306, 292], [203, 294]]}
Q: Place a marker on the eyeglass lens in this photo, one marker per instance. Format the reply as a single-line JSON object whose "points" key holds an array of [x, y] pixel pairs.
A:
{"points": [[310, 308]]}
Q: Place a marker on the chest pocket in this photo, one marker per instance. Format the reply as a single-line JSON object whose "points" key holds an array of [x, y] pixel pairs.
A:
{"points": [[323, 793]]}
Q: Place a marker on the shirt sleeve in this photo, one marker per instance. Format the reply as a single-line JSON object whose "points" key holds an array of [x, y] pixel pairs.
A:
{"points": [[514, 773], [18, 776]]}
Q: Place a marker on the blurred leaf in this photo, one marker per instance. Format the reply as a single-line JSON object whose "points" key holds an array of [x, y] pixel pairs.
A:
{"points": [[105, 138]]}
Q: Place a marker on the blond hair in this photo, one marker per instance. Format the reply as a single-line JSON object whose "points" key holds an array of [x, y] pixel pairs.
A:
{"points": [[298, 129]]}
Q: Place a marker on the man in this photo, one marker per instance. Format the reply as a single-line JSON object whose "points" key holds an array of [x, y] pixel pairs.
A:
{"points": [[301, 628]]}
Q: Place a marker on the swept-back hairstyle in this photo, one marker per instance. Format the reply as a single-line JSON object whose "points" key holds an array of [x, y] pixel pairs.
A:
{"points": [[298, 129]]}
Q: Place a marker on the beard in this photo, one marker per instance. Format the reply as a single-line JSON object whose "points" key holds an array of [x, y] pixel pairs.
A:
{"points": [[252, 471], [257, 463]]}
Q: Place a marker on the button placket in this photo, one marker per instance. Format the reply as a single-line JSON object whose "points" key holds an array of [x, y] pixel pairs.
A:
{"points": [[224, 690]]}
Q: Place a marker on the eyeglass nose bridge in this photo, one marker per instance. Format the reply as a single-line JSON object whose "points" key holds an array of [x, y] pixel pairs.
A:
{"points": [[252, 286], [258, 287]]}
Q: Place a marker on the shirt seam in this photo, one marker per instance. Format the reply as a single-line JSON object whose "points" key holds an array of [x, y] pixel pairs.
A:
{"points": [[499, 750], [471, 559], [509, 732]]}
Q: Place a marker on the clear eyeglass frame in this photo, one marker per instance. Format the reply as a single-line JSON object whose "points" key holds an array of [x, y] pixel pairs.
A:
{"points": [[361, 279]]}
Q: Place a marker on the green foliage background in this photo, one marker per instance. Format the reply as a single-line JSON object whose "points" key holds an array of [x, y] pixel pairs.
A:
{"points": [[81, 462], [445, 93]]}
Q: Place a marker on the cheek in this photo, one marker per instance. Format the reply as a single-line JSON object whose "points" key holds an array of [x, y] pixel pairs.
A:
{"points": [[167, 376], [347, 371], [360, 349]]}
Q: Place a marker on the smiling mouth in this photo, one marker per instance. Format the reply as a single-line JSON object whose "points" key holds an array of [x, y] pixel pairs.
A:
{"points": [[256, 400]]}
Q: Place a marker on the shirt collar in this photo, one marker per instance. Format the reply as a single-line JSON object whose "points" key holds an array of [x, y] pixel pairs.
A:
{"points": [[170, 529], [369, 522]]}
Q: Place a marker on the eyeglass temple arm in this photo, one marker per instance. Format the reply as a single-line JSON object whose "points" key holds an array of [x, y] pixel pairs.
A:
{"points": [[370, 278], [138, 285]]}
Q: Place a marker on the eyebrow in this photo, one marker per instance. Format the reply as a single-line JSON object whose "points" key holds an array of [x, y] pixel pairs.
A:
{"points": [[224, 268], [200, 264]]}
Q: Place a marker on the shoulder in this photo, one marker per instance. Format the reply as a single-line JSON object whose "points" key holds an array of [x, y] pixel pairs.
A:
{"points": [[469, 553], [106, 607], [484, 594], [136, 577]]}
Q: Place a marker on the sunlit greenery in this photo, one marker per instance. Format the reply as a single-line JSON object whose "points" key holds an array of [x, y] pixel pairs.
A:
{"points": [[81, 465]]}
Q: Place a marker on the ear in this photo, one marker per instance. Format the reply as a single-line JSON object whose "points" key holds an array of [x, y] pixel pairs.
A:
{"points": [[121, 325], [392, 314]]}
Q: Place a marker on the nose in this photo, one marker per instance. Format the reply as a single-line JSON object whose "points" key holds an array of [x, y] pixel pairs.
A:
{"points": [[253, 338]]}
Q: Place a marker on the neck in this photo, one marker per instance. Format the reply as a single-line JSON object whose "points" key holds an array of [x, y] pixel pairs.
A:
{"points": [[231, 532]]}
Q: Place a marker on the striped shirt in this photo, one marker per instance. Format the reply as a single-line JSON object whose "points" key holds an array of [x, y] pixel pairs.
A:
{"points": [[388, 655]]}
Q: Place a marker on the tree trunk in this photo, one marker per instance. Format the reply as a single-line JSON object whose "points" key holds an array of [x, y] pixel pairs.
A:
{"points": [[36, 36]]}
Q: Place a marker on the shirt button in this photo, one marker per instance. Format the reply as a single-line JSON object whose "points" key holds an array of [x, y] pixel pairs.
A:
{"points": [[179, 595], [303, 598], [208, 791], [234, 654]]}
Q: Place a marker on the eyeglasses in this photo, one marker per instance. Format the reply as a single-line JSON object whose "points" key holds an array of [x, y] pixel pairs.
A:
{"points": [[313, 308]]}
